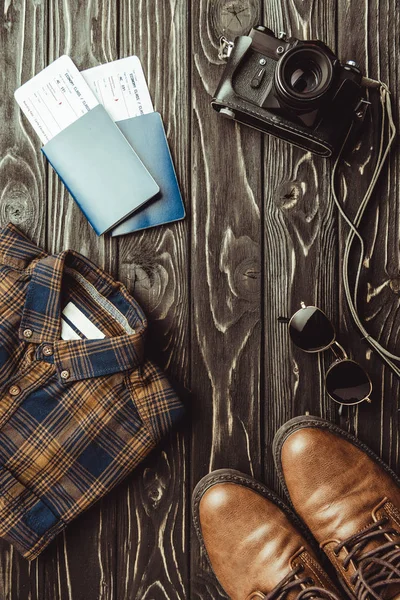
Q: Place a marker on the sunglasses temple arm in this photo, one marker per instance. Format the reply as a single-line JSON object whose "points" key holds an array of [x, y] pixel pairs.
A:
{"points": [[339, 356]]}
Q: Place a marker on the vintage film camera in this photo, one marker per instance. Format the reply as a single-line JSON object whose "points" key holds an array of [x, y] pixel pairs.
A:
{"points": [[295, 90]]}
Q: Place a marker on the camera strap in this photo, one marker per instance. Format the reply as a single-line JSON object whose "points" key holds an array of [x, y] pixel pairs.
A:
{"points": [[225, 48], [388, 132]]}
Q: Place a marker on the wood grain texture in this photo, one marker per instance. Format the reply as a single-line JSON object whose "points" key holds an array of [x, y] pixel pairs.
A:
{"points": [[374, 42], [153, 511], [227, 273], [301, 259], [88, 33], [22, 196], [261, 234], [22, 169]]}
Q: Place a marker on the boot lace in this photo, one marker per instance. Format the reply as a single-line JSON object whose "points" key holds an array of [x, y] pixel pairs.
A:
{"points": [[291, 582], [377, 568]]}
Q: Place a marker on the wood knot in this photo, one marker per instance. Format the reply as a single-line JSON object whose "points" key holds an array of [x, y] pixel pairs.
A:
{"points": [[155, 485], [17, 205], [247, 279], [288, 195], [154, 488], [233, 17]]}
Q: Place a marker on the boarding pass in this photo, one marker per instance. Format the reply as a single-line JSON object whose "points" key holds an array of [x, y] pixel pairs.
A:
{"points": [[55, 98], [60, 94], [121, 87]]}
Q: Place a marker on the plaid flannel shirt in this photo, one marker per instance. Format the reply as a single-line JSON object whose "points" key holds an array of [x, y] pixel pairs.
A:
{"points": [[80, 406]]}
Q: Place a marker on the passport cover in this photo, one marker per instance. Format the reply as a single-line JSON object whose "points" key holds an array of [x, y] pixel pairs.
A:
{"points": [[100, 168], [147, 137]]}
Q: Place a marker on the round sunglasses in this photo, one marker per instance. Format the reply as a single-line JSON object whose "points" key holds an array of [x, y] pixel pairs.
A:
{"points": [[346, 381]]}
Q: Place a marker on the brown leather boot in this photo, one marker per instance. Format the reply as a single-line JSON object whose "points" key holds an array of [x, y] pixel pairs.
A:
{"points": [[349, 499], [253, 543]]}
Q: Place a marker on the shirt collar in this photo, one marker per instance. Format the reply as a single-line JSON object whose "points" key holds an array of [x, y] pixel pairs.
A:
{"points": [[16, 250], [41, 320]]}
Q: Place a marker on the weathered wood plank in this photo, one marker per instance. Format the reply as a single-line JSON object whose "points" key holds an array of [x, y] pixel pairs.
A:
{"points": [[226, 271], [22, 168], [374, 44], [300, 227], [22, 197], [152, 539], [88, 33], [261, 234]]}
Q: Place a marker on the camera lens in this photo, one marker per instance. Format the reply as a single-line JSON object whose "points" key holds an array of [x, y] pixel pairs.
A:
{"points": [[304, 78], [303, 74]]}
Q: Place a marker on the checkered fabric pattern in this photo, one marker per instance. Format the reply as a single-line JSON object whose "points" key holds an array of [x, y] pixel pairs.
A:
{"points": [[77, 413]]}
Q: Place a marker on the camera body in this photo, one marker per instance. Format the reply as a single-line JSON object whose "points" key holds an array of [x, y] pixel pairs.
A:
{"points": [[293, 89]]}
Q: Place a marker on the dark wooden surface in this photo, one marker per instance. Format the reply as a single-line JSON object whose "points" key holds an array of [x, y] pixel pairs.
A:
{"points": [[261, 234]]}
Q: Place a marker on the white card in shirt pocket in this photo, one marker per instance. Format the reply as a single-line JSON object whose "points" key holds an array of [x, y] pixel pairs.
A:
{"points": [[75, 325]]}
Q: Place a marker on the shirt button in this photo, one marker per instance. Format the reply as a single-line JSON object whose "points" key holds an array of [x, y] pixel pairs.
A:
{"points": [[14, 390], [28, 333], [47, 350], [64, 374]]}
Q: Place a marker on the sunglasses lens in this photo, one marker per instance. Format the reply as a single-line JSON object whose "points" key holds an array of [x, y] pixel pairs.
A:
{"points": [[311, 330], [348, 383]]}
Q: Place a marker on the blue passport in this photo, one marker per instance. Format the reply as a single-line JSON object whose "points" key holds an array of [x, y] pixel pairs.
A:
{"points": [[147, 137], [101, 170]]}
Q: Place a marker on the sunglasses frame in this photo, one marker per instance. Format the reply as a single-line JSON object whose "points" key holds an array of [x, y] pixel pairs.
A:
{"points": [[303, 306], [339, 359], [335, 364]]}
